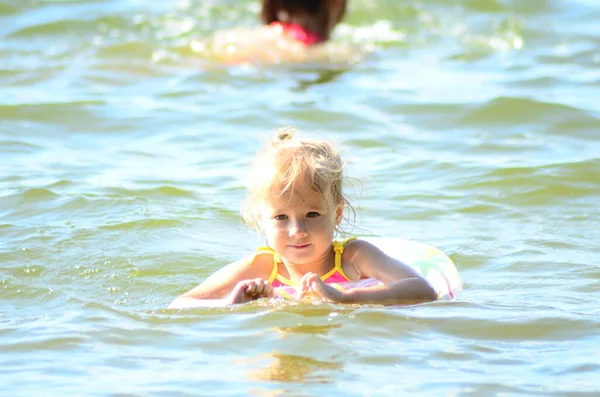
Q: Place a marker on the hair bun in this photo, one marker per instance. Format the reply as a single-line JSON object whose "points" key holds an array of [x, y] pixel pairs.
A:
{"points": [[284, 134]]}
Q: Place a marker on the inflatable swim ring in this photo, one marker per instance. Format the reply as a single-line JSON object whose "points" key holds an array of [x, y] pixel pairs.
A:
{"points": [[435, 266]]}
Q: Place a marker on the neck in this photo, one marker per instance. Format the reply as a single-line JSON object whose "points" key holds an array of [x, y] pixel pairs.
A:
{"points": [[321, 266], [298, 33]]}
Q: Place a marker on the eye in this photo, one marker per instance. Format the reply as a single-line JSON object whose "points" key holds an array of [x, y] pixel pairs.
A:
{"points": [[280, 217], [312, 214]]}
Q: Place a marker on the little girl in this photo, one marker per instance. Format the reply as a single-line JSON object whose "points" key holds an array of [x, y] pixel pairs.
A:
{"points": [[295, 199]]}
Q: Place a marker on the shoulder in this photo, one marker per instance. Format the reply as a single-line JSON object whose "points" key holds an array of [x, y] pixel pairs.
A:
{"points": [[370, 261], [357, 247], [259, 262], [357, 252], [262, 257]]}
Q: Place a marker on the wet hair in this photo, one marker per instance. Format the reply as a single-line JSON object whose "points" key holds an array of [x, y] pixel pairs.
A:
{"points": [[288, 164], [318, 10], [310, 6]]}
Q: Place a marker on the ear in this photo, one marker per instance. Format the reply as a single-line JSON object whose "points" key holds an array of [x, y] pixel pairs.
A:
{"points": [[339, 213]]}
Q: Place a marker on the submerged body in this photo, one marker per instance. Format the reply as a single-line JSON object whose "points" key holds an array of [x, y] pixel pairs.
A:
{"points": [[273, 45]]}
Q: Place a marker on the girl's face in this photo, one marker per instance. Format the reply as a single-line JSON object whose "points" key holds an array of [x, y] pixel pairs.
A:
{"points": [[300, 225]]}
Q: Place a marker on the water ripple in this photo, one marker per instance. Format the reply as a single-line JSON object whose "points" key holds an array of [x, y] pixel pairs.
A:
{"points": [[514, 111], [143, 224], [472, 126]]}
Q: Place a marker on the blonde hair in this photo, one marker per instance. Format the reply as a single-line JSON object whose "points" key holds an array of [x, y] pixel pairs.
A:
{"points": [[288, 161]]}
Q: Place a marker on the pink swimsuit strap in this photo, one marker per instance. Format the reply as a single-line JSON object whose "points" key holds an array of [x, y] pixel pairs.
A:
{"points": [[336, 277], [297, 32]]}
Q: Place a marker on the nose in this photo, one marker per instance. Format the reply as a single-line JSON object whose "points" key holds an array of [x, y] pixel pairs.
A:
{"points": [[298, 230]]}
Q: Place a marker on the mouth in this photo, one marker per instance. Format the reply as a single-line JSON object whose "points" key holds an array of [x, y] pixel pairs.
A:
{"points": [[298, 246]]}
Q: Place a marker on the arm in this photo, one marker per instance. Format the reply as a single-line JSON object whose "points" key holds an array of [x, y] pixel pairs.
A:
{"points": [[244, 291], [406, 291], [402, 284], [238, 282]]}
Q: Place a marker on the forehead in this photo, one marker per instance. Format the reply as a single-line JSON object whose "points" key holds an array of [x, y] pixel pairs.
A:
{"points": [[299, 198]]}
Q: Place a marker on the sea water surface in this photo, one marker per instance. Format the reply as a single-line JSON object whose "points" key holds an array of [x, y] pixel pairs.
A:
{"points": [[471, 125]]}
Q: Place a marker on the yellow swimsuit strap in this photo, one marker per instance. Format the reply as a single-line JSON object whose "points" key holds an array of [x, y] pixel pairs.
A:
{"points": [[338, 248], [265, 249]]}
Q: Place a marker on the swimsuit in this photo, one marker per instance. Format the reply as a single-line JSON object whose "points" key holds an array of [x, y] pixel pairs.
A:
{"points": [[297, 32], [334, 276]]}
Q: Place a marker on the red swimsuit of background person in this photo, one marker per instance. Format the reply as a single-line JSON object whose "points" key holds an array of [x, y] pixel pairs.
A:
{"points": [[297, 32]]}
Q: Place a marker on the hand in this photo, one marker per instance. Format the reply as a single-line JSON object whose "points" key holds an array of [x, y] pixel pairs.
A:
{"points": [[249, 290], [312, 285]]}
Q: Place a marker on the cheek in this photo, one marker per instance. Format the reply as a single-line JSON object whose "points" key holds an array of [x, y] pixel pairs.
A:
{"points": [[324, 225], [273, 230]]}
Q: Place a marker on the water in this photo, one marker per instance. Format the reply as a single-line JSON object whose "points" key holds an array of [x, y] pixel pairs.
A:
{"points": [[470, 125]]}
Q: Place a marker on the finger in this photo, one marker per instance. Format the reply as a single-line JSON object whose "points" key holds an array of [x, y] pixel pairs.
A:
{"points": [[306, 280], [251, 287], [242, 285], [304, 284], [238, 294], [313, 282], [268, 290], [260, 285]]}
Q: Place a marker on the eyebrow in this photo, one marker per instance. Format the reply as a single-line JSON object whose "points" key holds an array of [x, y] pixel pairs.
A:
{"points": [[310, 206]]}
